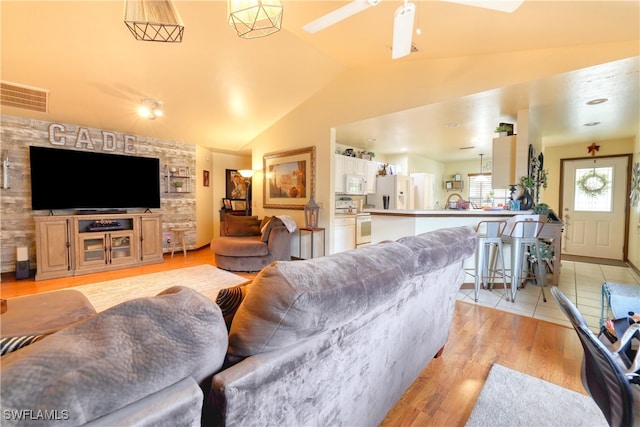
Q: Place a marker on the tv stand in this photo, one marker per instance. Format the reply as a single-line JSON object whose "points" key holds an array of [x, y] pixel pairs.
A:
{"points": [[70, 245]]}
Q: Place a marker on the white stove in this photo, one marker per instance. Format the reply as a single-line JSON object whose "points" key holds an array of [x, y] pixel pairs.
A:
{"points": [[348, 207]]}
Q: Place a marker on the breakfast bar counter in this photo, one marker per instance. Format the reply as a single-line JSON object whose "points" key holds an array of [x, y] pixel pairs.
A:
{"points": [[392, 224]]}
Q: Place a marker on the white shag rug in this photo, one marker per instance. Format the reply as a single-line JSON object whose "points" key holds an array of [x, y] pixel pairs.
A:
{"points": [[206, 279], [511, 398]]}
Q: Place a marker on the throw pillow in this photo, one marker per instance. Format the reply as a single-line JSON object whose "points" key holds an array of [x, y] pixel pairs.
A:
{"points": [[241, 225], [264, 222], [266, 230], [229, 300], [9, 344]]}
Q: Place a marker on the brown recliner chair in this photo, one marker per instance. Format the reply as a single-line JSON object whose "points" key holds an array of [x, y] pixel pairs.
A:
{"points": [[249, 244]]}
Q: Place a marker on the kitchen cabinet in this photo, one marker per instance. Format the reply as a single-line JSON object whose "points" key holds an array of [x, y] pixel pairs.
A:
{"points": [[339, 177], [503, 162], [344, 233], [344, 165]]}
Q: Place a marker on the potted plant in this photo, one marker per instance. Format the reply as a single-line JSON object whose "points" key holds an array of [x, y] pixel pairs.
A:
{"points": [[526, 198], [178, 186], [503, 129], [543, 210]]}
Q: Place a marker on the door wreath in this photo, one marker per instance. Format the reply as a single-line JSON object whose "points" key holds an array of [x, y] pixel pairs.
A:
{"points": [[593, 184]]}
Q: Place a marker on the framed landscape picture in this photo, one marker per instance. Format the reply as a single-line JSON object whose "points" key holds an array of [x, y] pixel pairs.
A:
{"points": [[289, 178]]}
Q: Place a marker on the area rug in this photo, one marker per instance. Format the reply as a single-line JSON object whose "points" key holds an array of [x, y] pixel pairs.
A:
{"points": [[511, 398], [205, 279]]}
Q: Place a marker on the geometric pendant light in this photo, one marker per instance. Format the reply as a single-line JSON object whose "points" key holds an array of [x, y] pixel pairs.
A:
{"points": [[153, 20], [255, 18]]}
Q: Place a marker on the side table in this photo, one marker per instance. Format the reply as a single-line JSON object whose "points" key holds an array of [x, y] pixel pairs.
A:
{"points": [[312, 231], [178, 232]]}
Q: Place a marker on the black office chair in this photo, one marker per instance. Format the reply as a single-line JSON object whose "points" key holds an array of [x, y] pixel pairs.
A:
{"points": [[602, 377]]}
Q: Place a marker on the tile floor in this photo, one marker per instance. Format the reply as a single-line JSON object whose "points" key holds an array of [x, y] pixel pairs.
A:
{"points": [[581, 282]]}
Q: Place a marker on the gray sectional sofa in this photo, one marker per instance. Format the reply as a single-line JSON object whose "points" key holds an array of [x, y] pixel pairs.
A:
{"points": [[330, 341]]}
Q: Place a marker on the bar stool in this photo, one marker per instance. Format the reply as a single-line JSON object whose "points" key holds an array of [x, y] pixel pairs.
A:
{"points": [[175, 233], [488, 253], [523, 237]]}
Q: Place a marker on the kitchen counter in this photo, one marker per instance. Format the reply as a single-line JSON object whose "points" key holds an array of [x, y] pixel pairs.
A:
{"points": [[447, 213], [392, 224]]}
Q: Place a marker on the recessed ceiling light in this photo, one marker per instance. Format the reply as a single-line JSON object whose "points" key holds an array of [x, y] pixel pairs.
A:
{"points": [[592, 124], [371, 140], [597, 101], [452, 125]]}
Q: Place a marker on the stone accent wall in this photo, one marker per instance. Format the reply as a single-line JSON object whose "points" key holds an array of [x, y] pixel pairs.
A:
{"points": [[17, 227]]}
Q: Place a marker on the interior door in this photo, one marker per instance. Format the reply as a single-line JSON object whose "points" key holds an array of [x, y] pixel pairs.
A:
{"points": [[594, 207]]}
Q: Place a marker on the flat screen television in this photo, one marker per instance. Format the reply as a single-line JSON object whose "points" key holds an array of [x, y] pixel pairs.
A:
{"points": [[73, 179]]}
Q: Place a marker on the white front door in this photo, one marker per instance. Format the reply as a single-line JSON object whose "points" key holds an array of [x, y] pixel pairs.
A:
{"points": [[594, 207]]}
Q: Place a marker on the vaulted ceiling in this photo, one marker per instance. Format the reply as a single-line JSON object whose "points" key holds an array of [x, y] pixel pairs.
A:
{"points": [[221, 91]]}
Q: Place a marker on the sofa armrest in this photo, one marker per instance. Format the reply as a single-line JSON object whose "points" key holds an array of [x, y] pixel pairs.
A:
{"points": [[280, 243], [177, 405]]}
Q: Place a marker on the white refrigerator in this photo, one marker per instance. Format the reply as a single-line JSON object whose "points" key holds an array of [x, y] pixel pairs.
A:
{"points": [[423, 190], [399, 188]]}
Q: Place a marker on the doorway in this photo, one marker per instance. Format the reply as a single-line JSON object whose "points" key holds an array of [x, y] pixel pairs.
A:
{"points": [[594, 206]]}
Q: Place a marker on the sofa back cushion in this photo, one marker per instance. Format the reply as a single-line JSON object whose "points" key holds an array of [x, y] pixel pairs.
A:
{"points": [[236, 225], [117, 357], [290, 301], [437, 249]]}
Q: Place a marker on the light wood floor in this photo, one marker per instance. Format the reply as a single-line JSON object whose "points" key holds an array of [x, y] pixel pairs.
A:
{"points": [[447, 389]]}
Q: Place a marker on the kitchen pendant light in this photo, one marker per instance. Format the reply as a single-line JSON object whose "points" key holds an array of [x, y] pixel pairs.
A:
{"points": [[153, 20], [482, 176], [255, 18]]}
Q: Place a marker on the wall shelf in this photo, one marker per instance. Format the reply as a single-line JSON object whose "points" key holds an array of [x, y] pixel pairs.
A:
{"points": [[454, 185], [173, 175]]}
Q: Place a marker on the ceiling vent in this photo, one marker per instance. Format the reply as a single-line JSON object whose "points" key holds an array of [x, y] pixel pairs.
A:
{"points": [[28, 98]]}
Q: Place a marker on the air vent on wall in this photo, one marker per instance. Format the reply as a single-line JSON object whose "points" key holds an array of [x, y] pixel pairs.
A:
{"points": [[28, 98]]}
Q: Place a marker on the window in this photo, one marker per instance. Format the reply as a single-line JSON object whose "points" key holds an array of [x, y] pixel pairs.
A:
{"points": [[481, 193], [593, 192]]}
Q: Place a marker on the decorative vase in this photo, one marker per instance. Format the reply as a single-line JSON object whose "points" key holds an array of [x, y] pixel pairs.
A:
{"points": [[526, 200]]}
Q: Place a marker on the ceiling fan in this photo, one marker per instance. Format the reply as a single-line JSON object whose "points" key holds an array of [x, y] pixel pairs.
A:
{"points": [[403, 18]]}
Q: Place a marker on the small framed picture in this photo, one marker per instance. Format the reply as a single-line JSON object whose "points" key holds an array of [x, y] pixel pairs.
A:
{"points": [[238, 205], [182, 171], [205, 178], [458, 177], [227, 204], [449, 185]]}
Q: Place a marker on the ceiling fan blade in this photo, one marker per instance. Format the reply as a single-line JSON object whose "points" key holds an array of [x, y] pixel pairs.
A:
{"points": [[338, 15], [499, 5], [403, 30]]}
